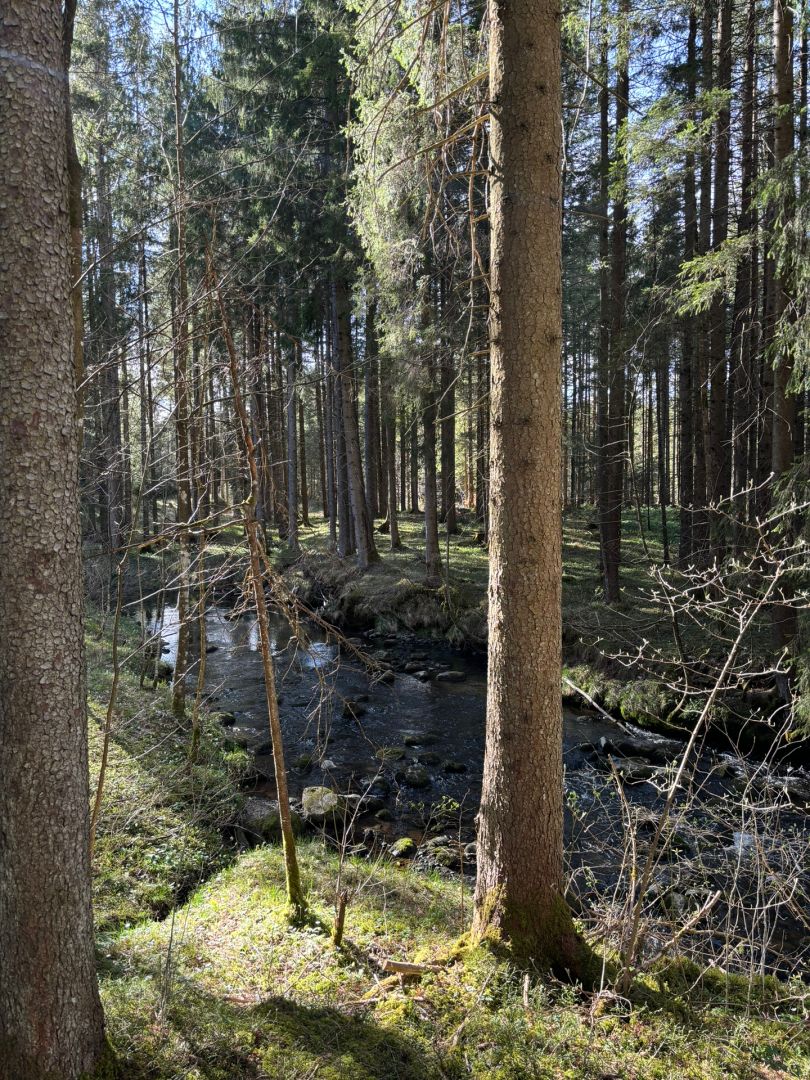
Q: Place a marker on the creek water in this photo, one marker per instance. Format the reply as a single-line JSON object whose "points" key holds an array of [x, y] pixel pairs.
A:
{"points": [[413, 745], [346, 728]]}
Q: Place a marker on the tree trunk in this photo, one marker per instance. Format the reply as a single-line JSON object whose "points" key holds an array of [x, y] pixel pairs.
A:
{"points": [[302, 446], [686, 425], [719, 457], [363, 533], [743, 401], [429, 409], [181, 388], [603, 354], [388, 410], [51, 1023], [292, 451], [371, 439], [519, 887], [617, 406], [784, 402]]}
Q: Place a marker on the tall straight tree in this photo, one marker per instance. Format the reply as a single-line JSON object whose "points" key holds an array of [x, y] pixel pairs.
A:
{"points": [[51, 1023], [784, 402], [611, 516], [519, 889]]}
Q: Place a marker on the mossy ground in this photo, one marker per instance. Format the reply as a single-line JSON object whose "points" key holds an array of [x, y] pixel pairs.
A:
{"points": [[203, 978], [228, 989], [162, 818]]}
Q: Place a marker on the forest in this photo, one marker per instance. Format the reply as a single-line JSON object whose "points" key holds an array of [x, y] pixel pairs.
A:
{"points": [[404, 540]]}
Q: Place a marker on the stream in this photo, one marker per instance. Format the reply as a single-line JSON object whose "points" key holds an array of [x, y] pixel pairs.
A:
{"points": [[404, 754]]}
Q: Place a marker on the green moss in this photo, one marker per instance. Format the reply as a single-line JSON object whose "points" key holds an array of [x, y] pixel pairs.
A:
{"points": [[162, 818], [250, 996]]}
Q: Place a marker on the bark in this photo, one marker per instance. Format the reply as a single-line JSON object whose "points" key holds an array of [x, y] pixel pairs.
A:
{"points": [[519, 887], [429, 411], [603, 354], [371, 434], [181, 388], [51, 1023], [302, 446], [329, 441], [388, 411], [291, 398], [617, 406], [784, 402], [719, 457], [414, 440], [700, 521], [447, 414], [686, 426], [361, 518], [319, 420], [743, 401], [110, 449]]}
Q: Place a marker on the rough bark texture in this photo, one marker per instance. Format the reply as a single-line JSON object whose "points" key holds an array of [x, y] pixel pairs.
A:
{"points": [[784, 402], [611, 516], [364, 536], [686, 428], [519, 889], [181, 388], [51, 1022], [719, 456]]}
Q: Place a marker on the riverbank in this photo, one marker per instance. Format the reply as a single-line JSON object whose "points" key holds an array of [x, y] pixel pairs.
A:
{"points": [[203, 978], [626, 658]]}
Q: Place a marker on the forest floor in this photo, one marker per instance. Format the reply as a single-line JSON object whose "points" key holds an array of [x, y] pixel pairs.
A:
{"points": [[203, 978]]}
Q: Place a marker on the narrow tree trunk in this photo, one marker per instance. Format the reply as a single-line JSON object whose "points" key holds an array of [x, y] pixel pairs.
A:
{"points": [[319, 419], [363, 533], [295, 891], [388, 411], [617, 408], [743, 402], [302, 447], [371, 439], [686, 369], [414, 431], [292, 451], [181, 387], [429, 409], [719, 457], [784, 402], [603, 354]]}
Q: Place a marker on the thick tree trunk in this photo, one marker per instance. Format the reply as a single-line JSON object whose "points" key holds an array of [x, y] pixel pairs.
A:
{"points": [[520, 883], [51, 1024]]}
